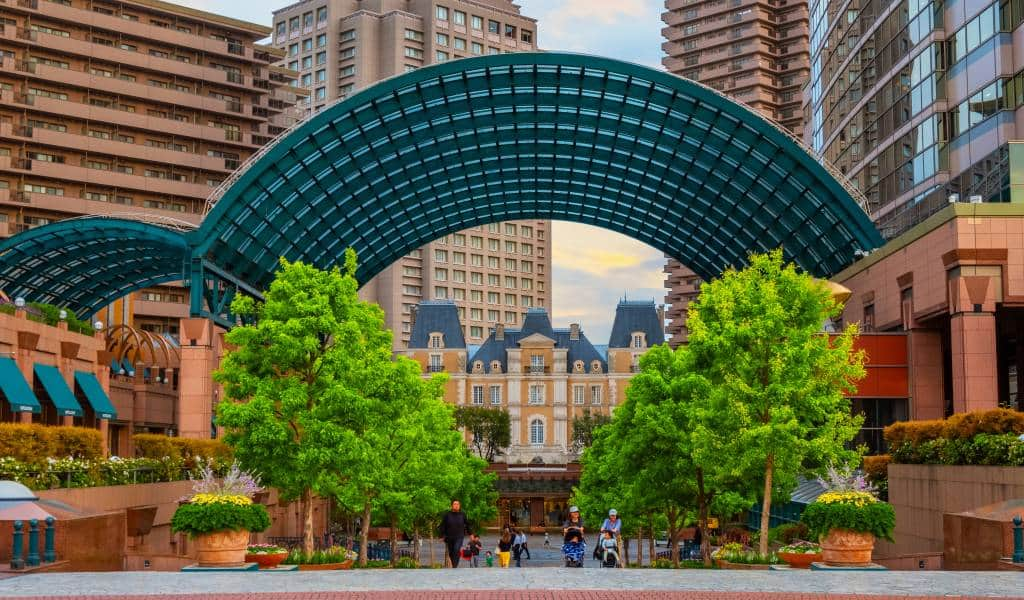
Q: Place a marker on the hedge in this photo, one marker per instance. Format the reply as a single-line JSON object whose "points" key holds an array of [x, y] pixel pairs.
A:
{"points": [[980, 438], [154, 445], [36, 442]]}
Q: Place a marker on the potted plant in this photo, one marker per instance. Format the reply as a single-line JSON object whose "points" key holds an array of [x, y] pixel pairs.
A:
{"points": [[267, 556], [847, 519], [800, 555], [330, 559], [219, 515]]}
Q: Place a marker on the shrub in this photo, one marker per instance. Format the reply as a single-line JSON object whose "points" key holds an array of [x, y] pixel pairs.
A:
{"points": [[791, 532], [224, 512], [406, 562], [736, 553], [155, 445], [76, 442], [968, 425], [855, 511], [876, 468], [737, 535], [26, 443], [978, 438]]}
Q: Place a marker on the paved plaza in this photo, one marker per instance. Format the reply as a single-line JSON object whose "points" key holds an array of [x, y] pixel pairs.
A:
{"points": [[588, 583]]}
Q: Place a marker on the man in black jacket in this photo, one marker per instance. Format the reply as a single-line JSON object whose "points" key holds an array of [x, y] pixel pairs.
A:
{"points": [[453, 529]]}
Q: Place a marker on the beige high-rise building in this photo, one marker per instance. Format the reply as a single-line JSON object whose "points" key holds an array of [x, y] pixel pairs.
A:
{"points": [[495, 273], [754, 52], [129, 106]]}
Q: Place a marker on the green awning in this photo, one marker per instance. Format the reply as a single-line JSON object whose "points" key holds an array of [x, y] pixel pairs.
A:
{"points": [[16, 389], [94, 393], [60, 394]]}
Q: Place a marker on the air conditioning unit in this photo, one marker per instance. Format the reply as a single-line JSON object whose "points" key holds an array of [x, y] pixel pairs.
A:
{"points": [[975, 199]]}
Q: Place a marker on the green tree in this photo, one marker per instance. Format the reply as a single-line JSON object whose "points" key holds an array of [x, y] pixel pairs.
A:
{"points": [[584, 427], [491, 429], [759, 355], [295, 402]]}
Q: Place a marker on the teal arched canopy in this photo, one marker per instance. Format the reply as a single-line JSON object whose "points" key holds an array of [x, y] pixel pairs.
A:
{"points": [[524, 136]]}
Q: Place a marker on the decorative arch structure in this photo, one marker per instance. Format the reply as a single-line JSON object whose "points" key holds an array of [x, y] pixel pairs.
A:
{"points": [[557, 136]]}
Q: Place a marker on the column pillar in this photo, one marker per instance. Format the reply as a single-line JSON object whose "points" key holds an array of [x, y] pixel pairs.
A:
{"points": [[974, 291], [194, 411]]}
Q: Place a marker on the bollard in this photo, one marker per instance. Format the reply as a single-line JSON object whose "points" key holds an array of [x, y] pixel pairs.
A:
{"points": [[49, 551], [17, 562], [1018, 540], [33, 543]]}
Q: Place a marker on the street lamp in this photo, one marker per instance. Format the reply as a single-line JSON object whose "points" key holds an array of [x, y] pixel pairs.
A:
{"points": [[63, 315], [19, 302], [98, 325]]}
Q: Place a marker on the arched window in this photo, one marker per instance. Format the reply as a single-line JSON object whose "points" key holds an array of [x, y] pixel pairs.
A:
{"points": [[537, 432]]}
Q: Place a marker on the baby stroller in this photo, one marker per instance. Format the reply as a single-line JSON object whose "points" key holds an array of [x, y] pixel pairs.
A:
{"points": [[609, 553], [574, 547]]}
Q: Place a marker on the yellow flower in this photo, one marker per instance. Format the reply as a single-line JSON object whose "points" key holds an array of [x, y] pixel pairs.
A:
{"points": [[221, 499], [849, 497]]}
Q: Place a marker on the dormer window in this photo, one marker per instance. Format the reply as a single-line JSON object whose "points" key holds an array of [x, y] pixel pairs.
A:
{"points": [[595, 366], [478, 366], [577, 367], [436, 341], [639, 340], [496, 366]]}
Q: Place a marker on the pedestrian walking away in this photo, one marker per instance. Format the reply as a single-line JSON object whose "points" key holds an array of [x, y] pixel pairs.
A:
{"points": [[517, 546], [453, 529], [525, 545]]}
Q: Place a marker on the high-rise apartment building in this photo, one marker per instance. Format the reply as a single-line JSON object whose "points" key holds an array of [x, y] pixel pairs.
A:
{"points": [[129, 106], [916, 101], [495, 273], [754, 52]]}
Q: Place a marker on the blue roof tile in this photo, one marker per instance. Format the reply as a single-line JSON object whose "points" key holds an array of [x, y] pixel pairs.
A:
{"points": [[437, 316]]}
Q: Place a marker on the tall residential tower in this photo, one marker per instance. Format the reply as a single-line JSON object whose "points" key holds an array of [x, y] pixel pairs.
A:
{"points": [[495, 273], [753, 51]]}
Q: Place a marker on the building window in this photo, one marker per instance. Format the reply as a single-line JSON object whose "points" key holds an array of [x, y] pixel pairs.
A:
{"points": [[413, 52], [436, 366], [321, 93], [537, 394], [493, 27], [510, 31], [527, 36], [459, 17], [435, 340], [441, 56], [638, 340], [478, 394], [347, 36], [441, 293], [442, 13], [496, 394], [537, 432], [442, 40], [478, 48], [441, 255], [595, 394], [477, 23], [476, 331], [321, 58], [579, 392], [537, 363], [321, 16]]}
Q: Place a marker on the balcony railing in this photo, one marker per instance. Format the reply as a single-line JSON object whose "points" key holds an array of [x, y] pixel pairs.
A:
{"points": [[538, 369], [235, 77], [435, 368], [236, 48], [233, 106]]}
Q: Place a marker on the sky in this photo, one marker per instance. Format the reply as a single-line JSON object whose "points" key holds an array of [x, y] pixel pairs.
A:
{"points": [[593, 268]]}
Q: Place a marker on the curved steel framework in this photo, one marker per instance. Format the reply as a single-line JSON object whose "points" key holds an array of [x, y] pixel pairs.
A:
{"points": [[519, 136]]}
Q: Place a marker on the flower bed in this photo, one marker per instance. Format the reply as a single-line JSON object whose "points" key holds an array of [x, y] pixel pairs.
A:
{"points": [[735, 556], [800, 555], [322, 560], [267, 556]]}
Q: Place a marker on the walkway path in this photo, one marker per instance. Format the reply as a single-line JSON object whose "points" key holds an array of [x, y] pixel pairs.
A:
{"points": [[516, 584]]}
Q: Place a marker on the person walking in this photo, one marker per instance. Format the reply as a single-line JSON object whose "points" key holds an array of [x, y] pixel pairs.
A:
{"points": [[475, 546], [454, 527], [517, 547], [524, 547], [613, 525], [505, 548]]}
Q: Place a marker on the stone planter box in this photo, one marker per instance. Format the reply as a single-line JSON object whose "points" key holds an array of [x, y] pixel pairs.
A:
{"points": [[342, 566], [844, 548]]}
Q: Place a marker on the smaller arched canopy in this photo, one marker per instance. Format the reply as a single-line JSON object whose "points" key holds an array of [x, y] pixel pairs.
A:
{"points": [[83, 264]]}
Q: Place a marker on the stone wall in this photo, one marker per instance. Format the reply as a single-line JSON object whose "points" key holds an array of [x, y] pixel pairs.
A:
{"points": [[922, 494]]}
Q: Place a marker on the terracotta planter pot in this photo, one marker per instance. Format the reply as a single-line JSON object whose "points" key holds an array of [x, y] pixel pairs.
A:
{"points": [[222, 548], [799, 560], [266, 561], [845, 548], [342, 566]]}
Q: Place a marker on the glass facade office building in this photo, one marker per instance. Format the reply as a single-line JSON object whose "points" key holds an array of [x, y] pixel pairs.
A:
{"points": [[915, 100]]}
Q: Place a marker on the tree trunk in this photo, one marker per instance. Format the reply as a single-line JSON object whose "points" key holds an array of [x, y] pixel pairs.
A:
{"points": [[416, 545], [703, 504], [766, 505], [624, 554], [430, 545], [393, 539], [307, 521], [639, 547], [673, 535], [650, 543], [364, 534]]}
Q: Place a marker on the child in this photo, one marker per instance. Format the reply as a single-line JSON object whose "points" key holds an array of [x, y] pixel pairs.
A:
{"points": [[466, 554], [475, 545], [489, 559], [610, 548], [547, 540]]}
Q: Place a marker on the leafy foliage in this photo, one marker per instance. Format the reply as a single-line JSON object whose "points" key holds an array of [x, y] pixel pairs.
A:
{"points": [[758, 349], [154, 445], [584, 426], [50, 314], [736, 553], [333, 555], [55, 473], [195, 518], [980, 438], [490, 428], [855, 511], [33, 443]]}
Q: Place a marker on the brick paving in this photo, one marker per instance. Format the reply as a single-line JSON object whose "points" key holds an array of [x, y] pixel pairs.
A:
{"points": [[520, 584], [526, 595]]}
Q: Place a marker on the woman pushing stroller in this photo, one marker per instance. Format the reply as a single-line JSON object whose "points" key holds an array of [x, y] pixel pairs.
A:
{"points": [[574, 545]]}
